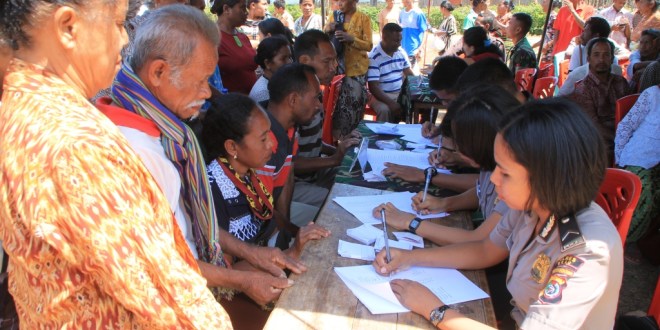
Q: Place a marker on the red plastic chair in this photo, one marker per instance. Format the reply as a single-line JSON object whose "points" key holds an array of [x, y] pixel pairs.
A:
{"points": [[545, 70], [654, 309], [544, 87], [623, 105], [368, 111], [329, 107], [618, 196], [525, 79], [563, 72]]}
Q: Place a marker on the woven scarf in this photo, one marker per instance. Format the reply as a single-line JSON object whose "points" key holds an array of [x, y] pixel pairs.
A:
{"points": [[181, 147], [261, 201]]}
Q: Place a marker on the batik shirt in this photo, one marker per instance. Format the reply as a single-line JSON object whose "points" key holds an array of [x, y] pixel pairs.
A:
{"points": [[92, 240]]}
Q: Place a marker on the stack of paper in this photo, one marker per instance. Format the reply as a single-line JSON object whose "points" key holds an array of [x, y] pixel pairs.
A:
{"points": [[375, 293], [380, 244], [356, 251], [414, 240], [362, 206], [366, 234]]}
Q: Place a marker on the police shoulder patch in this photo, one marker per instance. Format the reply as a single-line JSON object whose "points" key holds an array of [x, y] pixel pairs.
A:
{"points": [[564, 268]]}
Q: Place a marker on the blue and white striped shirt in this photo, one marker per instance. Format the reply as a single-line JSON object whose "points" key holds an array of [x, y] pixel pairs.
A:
{"points": [[388, 70]]}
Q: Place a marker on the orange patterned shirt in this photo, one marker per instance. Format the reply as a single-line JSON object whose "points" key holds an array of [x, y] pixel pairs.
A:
{"points": [[91, 238]]}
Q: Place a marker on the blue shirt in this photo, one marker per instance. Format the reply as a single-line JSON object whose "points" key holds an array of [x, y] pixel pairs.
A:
{"points": [[388, 70], [414, 24]]}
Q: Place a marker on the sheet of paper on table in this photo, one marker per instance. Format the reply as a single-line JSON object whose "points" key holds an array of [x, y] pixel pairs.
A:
{"points": [[356, 251], [414, 240], [384, 128], [377, 159], [365, 234], [409, 132], [375, 293], [380, 244], [361, 207]]}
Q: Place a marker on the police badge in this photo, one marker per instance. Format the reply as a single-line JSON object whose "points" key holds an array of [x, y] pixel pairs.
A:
{"points": [[540, 268]]}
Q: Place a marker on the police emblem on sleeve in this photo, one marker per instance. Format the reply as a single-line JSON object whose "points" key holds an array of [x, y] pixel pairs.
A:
{"points": [[564, 269], [540, 267]]}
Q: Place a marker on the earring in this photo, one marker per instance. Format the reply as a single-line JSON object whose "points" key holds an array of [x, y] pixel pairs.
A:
{"points": [[235, 156]]}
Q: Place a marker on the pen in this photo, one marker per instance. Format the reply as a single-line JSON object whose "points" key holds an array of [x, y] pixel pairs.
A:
{"points": [[387, 244], [432, 116]]}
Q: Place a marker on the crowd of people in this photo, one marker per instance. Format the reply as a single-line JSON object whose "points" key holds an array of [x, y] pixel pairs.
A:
{"points": [[160, 169]]}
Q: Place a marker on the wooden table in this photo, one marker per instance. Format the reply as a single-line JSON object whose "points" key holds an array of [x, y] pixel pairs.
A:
{"points": [[320, 300], [417, 96]]}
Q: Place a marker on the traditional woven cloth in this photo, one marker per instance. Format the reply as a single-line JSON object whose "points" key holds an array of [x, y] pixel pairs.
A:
{"points": [[182, 149]]}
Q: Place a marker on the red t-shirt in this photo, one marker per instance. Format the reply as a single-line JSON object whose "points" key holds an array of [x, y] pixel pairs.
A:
{"points": [[237, 63], [567, 26]]}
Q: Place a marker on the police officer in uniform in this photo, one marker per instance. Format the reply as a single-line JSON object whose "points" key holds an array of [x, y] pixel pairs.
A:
{"points": [[565, 255]]}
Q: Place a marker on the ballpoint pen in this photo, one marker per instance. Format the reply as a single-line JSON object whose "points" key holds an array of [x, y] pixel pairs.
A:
{"points": [[387, 244], [428, 173]]}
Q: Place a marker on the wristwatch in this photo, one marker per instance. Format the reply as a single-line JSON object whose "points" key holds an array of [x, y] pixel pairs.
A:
{"points": [[414, 224], [438, 314]]}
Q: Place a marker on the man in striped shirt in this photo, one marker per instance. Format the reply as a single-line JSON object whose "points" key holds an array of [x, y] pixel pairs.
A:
{"points": [[388, 64]]}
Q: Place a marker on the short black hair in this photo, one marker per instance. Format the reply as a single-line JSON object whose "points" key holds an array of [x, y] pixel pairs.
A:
{"points": [[599, 26], [477, 2], [279, 4], [307, 43], [594, 41], [446, 73], [217, 6], [288, 79], [226, 119], [509, 4], [525, 21], [275, 27], [476, 114], [447, 5], [487, 71], [392, 27], [562, 151], [653, 33], [268, 48]]}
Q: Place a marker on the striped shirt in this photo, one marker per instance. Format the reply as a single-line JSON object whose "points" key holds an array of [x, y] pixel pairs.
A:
{"points": [[388, 70], [285, 145]]}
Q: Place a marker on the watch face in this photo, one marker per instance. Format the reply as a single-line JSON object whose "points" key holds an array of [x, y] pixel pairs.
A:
{"points": [[414, 223], [437, 316]]}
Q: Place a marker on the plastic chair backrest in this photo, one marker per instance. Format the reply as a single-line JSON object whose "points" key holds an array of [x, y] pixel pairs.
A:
{"points": [[618, 196], [623, 105], [563, 72], [547, 70], [329, 108], [525, 79], [654, 309], [544, 87]]}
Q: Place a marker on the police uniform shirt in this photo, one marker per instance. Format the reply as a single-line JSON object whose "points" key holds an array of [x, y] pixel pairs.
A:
{"points": [[488, 200], [574, 289]]}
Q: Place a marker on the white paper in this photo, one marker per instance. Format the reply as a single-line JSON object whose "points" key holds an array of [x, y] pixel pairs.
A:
{"points": [[374, 291], [356, 251], [412, 239], [380, 244], [378, 158], [362, 206], [413, 133], [384, 128], [365, 234]]}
